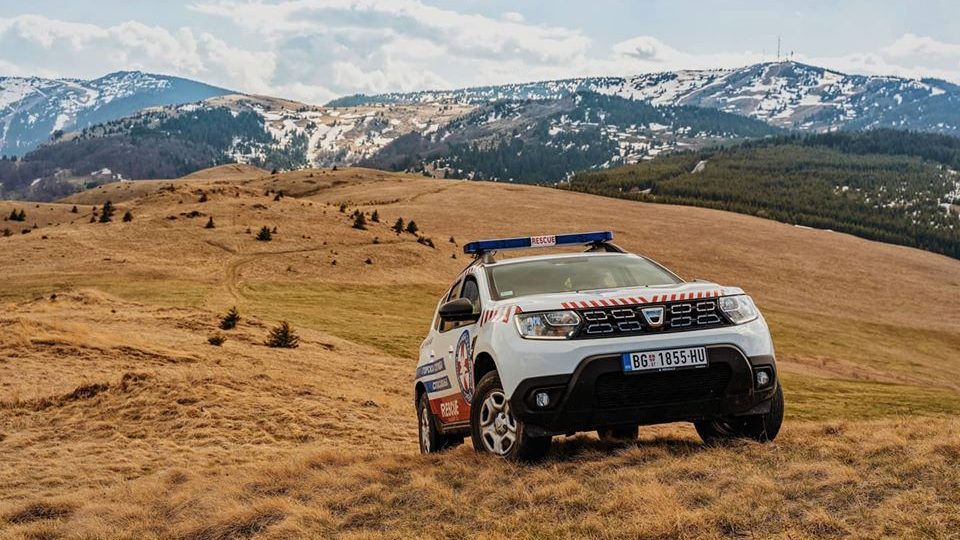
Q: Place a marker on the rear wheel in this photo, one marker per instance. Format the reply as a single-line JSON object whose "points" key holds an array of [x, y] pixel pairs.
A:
{"points": [[431, 440], [619, 434], [496, 430], [759, 427]]}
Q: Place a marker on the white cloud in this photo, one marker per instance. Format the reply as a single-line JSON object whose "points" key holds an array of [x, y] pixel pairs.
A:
{"points": [[51, 47], [314, 50], [910, 45], [399, 45], [647, 53]]}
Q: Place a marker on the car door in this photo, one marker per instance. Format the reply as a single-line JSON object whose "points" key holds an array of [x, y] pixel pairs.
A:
{"points": [[455, 342], [437, 371]]}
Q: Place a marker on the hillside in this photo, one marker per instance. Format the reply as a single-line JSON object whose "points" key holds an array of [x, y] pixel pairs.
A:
{"points": [[545, 141], [524, 141], [34, 109], [884, 185], [117, 419], [169, 142]]}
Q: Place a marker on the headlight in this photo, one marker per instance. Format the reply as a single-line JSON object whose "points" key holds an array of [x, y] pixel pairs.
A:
{"points": [[548, 324], [740, 309]]}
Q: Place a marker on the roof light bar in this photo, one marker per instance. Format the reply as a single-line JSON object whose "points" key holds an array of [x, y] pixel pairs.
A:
{"points": [[527, 242]]}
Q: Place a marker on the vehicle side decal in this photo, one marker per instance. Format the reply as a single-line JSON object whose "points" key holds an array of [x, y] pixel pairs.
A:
{"points": [[450, 409], [430, 369], [509, 311], [436, 385], [463, 361]]}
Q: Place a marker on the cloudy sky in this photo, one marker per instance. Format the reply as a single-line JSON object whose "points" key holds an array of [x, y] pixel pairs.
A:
{"points": [[314, 50]]}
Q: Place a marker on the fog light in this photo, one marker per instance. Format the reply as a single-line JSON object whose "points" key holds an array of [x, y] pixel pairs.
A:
{"points": [[543, 399], [763, 378]]}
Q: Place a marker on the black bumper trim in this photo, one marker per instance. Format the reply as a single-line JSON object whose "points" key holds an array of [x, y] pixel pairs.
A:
{"points": [[598, 394]]}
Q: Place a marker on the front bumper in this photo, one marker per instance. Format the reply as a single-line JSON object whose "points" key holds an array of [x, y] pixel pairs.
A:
{"points": [[598, 394]]}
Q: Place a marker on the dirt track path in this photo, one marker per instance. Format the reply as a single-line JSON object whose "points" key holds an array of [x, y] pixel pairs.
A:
{"points": [[232, 274]]}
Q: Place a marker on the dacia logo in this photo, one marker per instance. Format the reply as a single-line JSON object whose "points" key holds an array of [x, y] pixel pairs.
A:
{"points": [[653, 316]]}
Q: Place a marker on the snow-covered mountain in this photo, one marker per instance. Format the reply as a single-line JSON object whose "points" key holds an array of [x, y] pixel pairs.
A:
{"points": [[148, 126], [784, 94], [33, 109]]}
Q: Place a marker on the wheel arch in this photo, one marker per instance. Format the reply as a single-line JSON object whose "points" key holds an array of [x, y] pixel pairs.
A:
{"points": [[483, 364], [418, 391]]}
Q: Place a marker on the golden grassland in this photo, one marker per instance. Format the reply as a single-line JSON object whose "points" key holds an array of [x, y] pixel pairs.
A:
{"points": [[118, 419]]}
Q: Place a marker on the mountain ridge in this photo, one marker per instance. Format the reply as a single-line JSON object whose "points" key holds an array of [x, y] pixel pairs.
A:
{"points": [[744, 91], [34, 109]]}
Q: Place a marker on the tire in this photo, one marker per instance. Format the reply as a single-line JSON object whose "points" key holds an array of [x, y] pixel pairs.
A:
{"points": [[619, 434], [759, 427], [431, 440], [496, 431]]}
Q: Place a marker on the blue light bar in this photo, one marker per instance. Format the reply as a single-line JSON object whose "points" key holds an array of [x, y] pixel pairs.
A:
{"points": [[526, 242]]}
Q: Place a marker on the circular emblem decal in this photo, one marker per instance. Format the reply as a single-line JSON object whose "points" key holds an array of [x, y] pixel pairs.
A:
{"points": [[464, 362]]}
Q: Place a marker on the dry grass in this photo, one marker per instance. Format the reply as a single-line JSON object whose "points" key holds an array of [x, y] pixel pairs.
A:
{"points": [[894, 478], [118, 419]]}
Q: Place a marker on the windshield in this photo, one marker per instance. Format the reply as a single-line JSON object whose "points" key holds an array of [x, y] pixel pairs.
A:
{"points": [[578, 273]]}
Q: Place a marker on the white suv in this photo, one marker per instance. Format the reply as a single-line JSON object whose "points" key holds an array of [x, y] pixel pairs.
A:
{"points": [[527, 348]]}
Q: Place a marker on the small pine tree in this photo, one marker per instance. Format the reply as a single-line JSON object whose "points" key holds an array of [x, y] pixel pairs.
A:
{"points": [[283, 337], [230, 320], [127, 217], [375, 217], [343, 207], [106, 215], [74, 209], [412, 227], [217, 340], [210, 224], [398, 226], [453, 240], [264, 235], [360, 222]]}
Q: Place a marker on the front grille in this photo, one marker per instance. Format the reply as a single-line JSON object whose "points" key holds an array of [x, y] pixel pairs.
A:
{"points": [[617, 390], [629, 320]]}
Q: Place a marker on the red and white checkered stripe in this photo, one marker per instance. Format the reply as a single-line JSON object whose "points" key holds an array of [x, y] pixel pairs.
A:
{"points": [[501, 313], [635, 300]]}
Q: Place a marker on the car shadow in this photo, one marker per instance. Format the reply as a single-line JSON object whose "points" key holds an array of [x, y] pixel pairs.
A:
{"points": [[586, 448]]}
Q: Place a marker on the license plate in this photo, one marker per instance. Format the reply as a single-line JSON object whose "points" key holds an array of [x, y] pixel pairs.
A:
{"points": [[665, 359]]}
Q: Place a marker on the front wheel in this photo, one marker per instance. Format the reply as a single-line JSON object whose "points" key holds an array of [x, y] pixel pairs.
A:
{"points": [[495, 430], [759, 427]]}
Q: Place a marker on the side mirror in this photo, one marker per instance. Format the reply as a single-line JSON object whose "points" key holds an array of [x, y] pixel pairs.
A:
{"points": [[459, 310]]}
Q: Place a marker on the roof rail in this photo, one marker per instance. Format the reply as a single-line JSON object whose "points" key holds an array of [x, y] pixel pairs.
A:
{"points": [[596, 241]]}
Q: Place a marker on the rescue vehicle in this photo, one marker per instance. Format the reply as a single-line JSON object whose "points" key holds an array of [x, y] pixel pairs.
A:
{"points": [[526, 348]]}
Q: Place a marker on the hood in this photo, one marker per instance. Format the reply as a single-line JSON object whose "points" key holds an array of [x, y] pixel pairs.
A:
{"points": [[695, 290], [620, 297]]}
